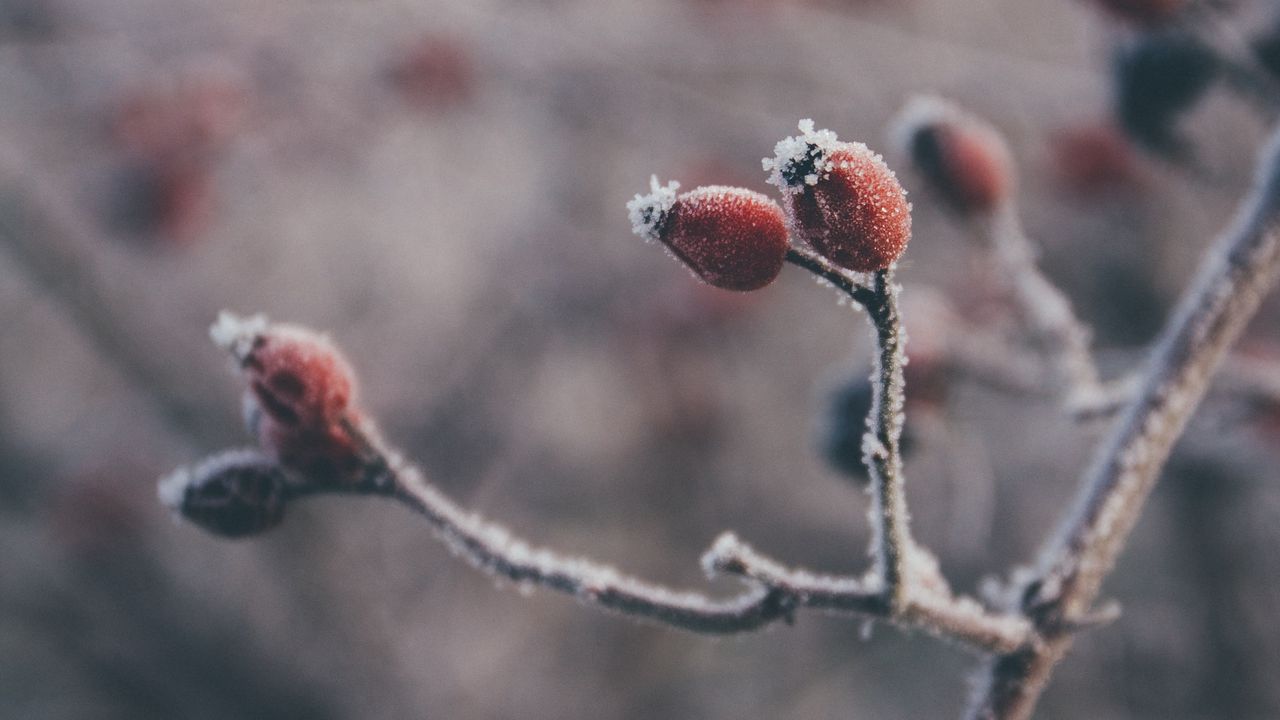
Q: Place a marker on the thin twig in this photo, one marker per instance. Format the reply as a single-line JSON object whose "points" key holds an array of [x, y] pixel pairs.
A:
{"points": [[777, 593], [1046, 311], [1242, 266], [882, 454], [881, 448]]}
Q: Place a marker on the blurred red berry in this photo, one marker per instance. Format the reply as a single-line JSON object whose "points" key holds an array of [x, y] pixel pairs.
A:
{"points": [[434, 72], [963, 159], [732, 238], [185, 116], [841, 199], [1089, 159]]}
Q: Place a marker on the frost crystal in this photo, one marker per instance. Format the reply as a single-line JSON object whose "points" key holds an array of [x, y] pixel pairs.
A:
{"points": [[235, 334], [802, 159], [647, 212]]}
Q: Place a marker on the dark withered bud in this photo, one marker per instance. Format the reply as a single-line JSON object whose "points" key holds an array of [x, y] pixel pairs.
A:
{"points": [[1159, 76], [234, 494]]}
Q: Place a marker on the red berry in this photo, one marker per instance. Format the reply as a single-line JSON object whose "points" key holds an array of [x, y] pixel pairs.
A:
{"points": [[301, 399], [1093, 159], [732, 238], [841, 199], [325, 454], [298, 377], [962, 157]]}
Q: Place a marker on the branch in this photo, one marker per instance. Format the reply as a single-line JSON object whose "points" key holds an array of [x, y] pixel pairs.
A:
{"points": [[1242, 266], [882, 452], [776, 593]]}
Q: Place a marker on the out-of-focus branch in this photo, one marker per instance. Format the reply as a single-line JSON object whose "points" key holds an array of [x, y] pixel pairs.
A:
{"points": [[1044, 309], [1241, 267], [46, 238]]}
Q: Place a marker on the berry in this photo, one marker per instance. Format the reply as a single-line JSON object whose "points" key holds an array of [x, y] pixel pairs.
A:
{"points": [[236, 493], [841, 199], [298, 377], [300, 404], [1093, 159], [732, 238], [963, 158]]}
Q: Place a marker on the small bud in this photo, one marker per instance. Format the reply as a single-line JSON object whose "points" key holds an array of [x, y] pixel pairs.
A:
{"points": [[963, 158], [234, 494], [841, 199], [1158, 77], [732, 238]]}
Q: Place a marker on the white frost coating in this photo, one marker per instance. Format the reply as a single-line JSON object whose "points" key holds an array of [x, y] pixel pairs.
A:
{"points": [[793, 153], [172, 488], [647, 212], [236, 334]]}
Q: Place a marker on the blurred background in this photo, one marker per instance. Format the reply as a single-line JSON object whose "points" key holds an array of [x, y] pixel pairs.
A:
{"points": [[440, 184]]}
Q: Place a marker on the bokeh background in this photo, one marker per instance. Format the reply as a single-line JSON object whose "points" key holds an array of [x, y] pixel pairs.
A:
{"points": [[440, 184]]}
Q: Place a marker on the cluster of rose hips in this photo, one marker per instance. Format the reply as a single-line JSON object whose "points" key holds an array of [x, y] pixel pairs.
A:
{"points": [[300, 406], [838, 198]]}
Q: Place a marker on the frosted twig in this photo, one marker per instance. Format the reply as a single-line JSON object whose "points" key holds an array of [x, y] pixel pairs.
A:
{"points": [[1241, 267], [1046, 312], [882, 454], [881, 449], [777, 593]]}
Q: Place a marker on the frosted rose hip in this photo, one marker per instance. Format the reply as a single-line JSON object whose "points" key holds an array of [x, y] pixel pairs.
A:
{"points": [[300, 404], [730, 237], [298, 377], [841, 199]]}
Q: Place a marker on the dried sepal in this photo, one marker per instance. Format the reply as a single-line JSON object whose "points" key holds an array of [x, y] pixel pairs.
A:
{"points": [[235, 493], [841, 199], [732, 238]]}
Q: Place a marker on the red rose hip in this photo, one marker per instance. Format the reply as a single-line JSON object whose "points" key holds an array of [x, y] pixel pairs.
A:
{"points": [[732, 238], [962, 157], [841, 199]]}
